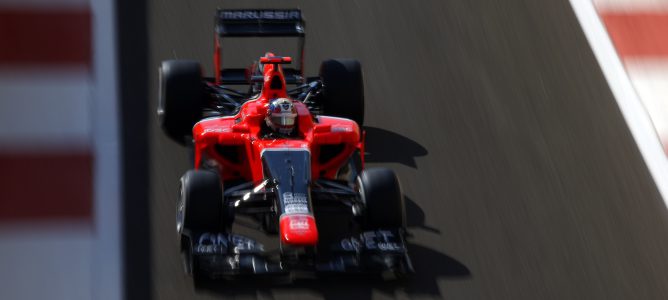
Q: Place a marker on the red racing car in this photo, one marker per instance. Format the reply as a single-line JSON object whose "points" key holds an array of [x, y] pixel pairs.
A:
{"points": [[286, 154]]}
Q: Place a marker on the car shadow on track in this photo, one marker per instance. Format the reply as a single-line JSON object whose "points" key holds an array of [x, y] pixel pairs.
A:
{"points": [[415, 217], [430, 267], [386, 146]]}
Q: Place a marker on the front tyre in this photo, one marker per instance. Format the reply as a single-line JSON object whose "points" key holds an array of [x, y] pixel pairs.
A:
{"points": [[381, 193], [198, 210], [200, 206]]}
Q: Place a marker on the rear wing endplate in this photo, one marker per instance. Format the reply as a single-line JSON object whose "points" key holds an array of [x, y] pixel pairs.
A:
{"points": [[259, 23]]}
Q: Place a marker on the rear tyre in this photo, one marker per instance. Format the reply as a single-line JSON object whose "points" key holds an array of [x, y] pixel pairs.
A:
{"points": [[384, 202], [181, 98], [343, 94]]}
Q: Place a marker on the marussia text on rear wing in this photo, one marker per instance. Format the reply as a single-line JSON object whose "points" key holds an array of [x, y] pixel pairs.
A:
{"points": [[245, 23], [259, 23]]}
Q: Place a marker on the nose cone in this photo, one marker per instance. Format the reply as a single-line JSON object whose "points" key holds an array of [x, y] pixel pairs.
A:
{"points": [[298, 230]]}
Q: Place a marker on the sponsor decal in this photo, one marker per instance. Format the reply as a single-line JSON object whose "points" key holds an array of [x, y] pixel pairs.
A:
{"points": [[342, 129], [217, 130], [382, 240], [351, 244], [262, 15], [210, 243], [299, 223], [295, 203]]}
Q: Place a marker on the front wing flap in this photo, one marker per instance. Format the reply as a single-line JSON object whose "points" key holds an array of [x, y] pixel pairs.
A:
{"points": [[379, 251]]}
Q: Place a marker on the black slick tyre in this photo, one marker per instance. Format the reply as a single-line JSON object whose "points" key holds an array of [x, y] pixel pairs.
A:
{"points": [[384, 202], [181, 98], [343, 94], [200, 207]]}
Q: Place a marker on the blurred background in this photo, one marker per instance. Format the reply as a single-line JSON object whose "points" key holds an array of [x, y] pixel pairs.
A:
{"points": [[525, 134]]}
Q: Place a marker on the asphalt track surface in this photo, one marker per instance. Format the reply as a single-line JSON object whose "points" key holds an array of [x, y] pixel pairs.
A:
{"points": [[521, 178]]}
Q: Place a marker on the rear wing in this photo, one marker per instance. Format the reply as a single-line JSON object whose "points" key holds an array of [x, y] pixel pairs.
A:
{"points": [[258, 23]]}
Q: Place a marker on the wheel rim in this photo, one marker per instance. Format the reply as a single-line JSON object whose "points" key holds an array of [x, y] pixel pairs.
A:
{"points": [[180, 210], [360, 190]]}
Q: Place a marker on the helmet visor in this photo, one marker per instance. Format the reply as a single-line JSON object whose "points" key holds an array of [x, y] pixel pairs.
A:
{"points": [[284, 120]]}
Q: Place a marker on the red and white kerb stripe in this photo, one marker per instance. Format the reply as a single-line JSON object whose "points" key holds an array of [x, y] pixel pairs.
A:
{"points": [[639, 32], [45, 119], [605, 24], [58, 151]]}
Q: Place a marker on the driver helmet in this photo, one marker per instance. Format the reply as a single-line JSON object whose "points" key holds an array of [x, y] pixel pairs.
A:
{"points": [[281, 116]]}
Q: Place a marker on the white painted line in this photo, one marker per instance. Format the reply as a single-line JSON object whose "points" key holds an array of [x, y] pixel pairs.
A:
{"points": [[630, 105], [107, 249], [650, 79]]}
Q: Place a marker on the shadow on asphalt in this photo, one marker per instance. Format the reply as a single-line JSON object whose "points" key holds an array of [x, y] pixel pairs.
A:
{"points": [[386, 146], [415, 217], [430, 266]]}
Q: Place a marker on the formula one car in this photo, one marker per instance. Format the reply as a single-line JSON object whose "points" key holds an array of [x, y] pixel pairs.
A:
{"points": [[286, 184]]}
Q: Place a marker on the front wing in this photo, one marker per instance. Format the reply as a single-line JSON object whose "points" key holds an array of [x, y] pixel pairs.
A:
{"points": [[381, 252]]}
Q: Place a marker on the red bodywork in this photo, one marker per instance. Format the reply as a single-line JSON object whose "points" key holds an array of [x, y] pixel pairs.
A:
{"points": [[235, 143]]}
